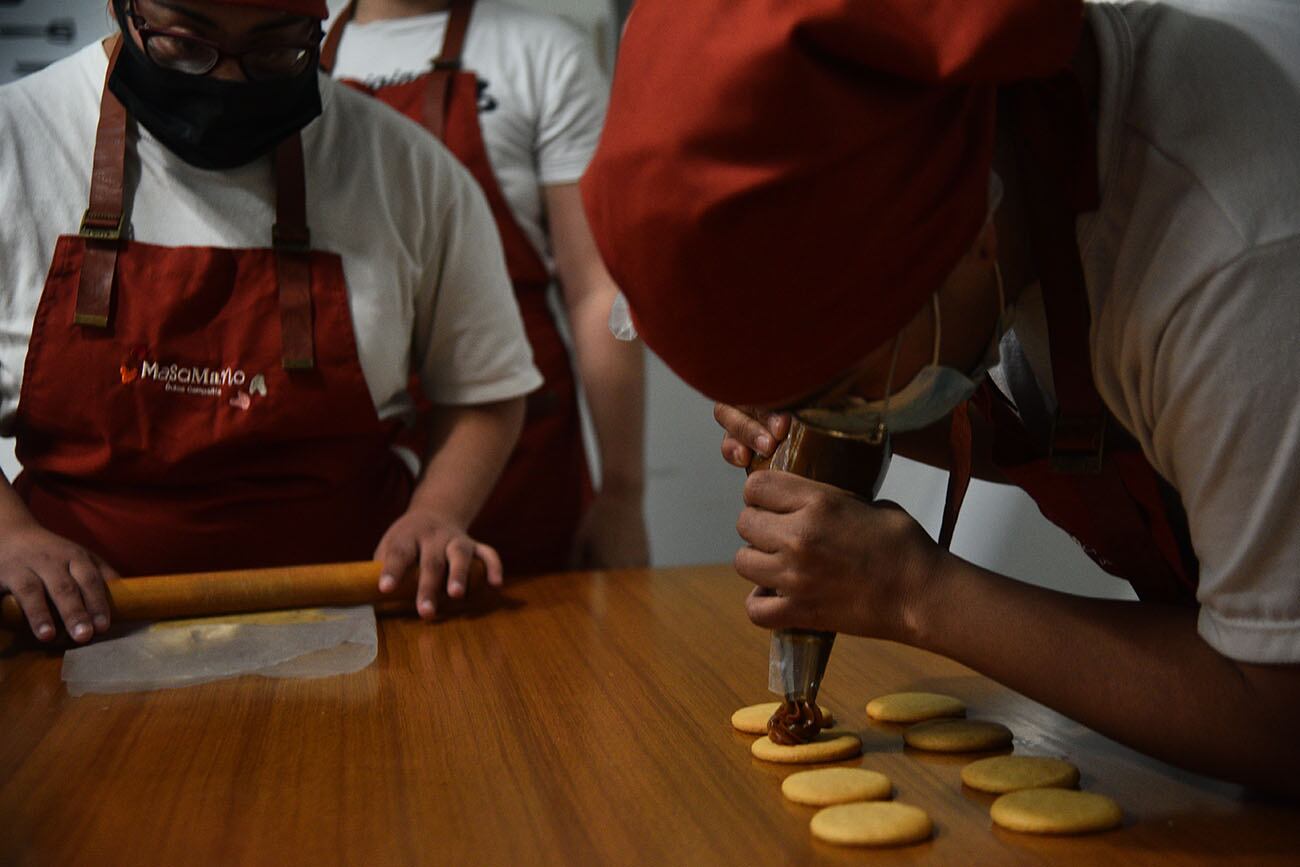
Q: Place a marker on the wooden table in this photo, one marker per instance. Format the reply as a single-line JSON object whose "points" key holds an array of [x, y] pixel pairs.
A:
{"points": [[584, 720]]}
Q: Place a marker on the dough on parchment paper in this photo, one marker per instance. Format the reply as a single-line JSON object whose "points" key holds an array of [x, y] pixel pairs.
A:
{"points": [[830, 745], [753, 718], [872, 823], [1055, 811], [1002, 774], [911, 707], [826, 786], [957, 735]]}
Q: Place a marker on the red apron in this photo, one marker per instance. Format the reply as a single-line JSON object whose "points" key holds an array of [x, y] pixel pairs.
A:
{"points": [[1087, 475], [198, 408], [532, 516]]}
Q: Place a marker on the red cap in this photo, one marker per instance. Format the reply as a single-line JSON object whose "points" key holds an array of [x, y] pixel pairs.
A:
{"points": [[780, 186], [309, 8]]}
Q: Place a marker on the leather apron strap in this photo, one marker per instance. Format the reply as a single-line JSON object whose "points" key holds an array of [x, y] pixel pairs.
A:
{"points": [[104, 222], [291, 240], [1057, 153], [443, 69], [329, 49]]}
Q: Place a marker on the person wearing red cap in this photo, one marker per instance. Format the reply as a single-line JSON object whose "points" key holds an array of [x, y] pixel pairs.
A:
{"points": [[518, 97], [794, 199], [218, 272]]}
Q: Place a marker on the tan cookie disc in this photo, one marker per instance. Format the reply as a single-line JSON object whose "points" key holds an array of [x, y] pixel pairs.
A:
{"points": [[753, 719], [872, 823], [1055, 811], [826, 786], [1001, 774], [910, 707], [957, 735], [828, 746]]}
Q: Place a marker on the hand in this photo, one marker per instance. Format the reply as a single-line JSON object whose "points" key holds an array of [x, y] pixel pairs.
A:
{"points": [[612, 534], [443, 552], [749, 430], [35, 562], [834, 561]]}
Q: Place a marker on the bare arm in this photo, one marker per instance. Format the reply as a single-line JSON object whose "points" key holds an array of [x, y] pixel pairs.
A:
{"points": [[468, 449], [1137, 672], [612, 375]]}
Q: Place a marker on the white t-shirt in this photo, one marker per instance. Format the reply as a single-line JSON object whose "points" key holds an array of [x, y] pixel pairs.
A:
{"points": [[1192, 264], [425, 273], [542, 96]]}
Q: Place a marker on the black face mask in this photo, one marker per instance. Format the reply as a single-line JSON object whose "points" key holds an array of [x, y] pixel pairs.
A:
{"points": [[208, 122]]}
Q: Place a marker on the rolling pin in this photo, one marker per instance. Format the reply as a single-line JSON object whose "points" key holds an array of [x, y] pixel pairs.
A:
{"points": [[199, 594]]}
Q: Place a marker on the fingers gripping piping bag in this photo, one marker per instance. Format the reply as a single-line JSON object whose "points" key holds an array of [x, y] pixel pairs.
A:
{"points": [[797, 659]]}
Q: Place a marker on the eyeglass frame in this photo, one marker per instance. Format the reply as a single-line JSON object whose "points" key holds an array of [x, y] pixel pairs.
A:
{"points": [[147, 31]]}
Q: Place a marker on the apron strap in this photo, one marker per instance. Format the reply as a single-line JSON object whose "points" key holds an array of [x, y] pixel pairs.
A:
{"points": [[445, 67], [329, 49], [1057, 151], [291, 240], [103, 222], [959, 449]]}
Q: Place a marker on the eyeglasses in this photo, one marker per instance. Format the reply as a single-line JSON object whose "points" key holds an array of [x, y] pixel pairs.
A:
{"points": [[194, 55]]}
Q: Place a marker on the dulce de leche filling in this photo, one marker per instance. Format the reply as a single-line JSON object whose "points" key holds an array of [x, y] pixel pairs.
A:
{"points": [[795, 722]]}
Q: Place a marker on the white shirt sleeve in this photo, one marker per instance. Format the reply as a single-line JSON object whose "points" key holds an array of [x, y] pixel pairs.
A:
{"points": [[469, 337], [1225, 404], [572, 107]]}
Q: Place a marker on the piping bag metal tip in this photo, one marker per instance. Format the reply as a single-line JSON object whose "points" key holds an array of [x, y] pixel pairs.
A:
{"points": [[796, 662]]}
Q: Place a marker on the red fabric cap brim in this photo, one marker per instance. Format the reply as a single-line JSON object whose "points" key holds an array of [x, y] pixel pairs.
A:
{"points": [[781, 186]]}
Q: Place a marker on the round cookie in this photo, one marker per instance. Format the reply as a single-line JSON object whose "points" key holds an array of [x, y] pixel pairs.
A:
{"points": [[1055, 811], [753, 719], [872, 823], [1002, 774], [828, 746], [957, 735], [910, 707], [825, 786]]}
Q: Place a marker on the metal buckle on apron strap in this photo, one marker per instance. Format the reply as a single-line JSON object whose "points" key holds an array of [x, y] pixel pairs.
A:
{"points": [[102, 227], [1077, 444]]}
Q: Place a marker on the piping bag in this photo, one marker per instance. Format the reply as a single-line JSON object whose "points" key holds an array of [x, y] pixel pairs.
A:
{"points": [[797, 657], [855, 463]]}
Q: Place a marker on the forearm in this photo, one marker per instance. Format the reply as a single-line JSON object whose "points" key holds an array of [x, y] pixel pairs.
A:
{"points": [[1136, 672], [612, 373], [469, 446]]}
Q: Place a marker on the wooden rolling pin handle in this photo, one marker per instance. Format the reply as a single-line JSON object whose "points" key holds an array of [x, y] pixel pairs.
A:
{"points": [[200, 594]]}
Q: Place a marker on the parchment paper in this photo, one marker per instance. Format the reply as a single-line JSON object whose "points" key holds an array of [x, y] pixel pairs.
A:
{"points": [[312, 642]]}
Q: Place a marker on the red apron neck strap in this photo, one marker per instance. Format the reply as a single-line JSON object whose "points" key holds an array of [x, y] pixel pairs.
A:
{"points": [[445, 67], [329, 49], [453, 40], [291, 240], [1057, 148], [959, 449], [102, 224]]}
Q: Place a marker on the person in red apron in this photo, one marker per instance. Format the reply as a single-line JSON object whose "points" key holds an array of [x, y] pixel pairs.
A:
{"points": [[542, 516], [195, 408], [809, 234]]}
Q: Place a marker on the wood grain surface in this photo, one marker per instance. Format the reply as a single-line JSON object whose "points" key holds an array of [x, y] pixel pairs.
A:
{"points": [[571, 719]]}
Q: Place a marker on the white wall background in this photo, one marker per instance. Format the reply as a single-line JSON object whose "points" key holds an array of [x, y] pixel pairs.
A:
{"points": [[693, 497]]}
